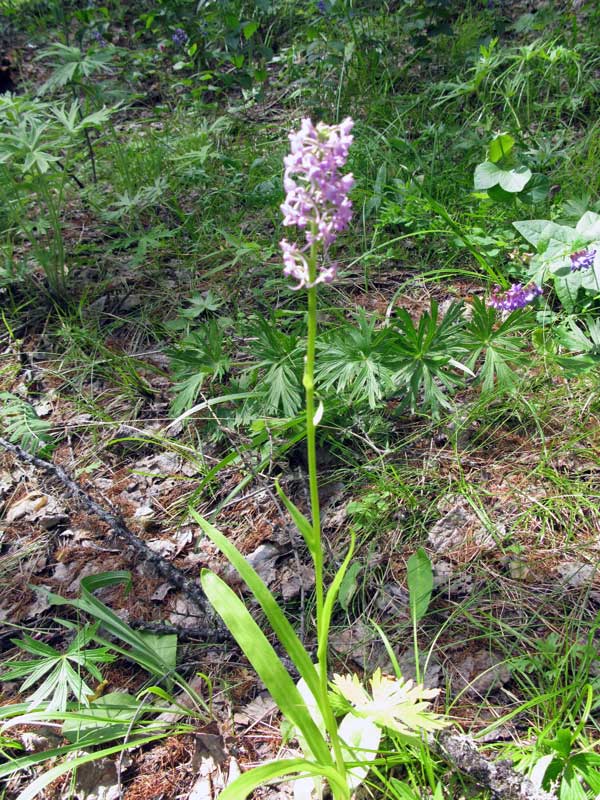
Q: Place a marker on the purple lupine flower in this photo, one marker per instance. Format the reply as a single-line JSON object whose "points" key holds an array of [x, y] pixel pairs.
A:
{"points": [[321, 7], [582, 259], [518, 296], [179, 37], [99, 38], [316, 194]]}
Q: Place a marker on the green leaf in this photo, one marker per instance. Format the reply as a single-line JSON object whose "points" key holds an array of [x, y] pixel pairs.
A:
{"points": [[331, 596], [22, 425], [499, 195], [589, 225], [419, 577], [263, 658], [538, 232], [164, 645], [281, 626], [249, 781], [112, 712], [39, 784], [536, 190], [514, 180], [501, 146], [141, 652], [487, 175], [249, 29], [349, 585], [302, 523], [511, 180]]}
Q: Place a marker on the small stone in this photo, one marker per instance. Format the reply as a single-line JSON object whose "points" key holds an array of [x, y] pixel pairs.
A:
{"points": [[431, 674], [61, 573], [576, 573], [164, 547], [479, 672]]}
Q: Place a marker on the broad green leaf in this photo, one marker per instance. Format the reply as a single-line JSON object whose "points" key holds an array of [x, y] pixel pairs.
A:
{"points": [[514, 180], [487, 175], [250, 29], [589, 225], [419, 577], [536, 190], [501, 146], [264, 659], [282, 628], [164, 645], [539, 231], [499, 195]]}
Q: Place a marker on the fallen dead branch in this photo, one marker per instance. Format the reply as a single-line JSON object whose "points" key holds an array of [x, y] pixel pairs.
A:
{"points": [[504, 782], [214, 630]]}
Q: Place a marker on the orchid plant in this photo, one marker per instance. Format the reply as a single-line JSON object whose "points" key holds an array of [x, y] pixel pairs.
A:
{"points": [[317, 203]]}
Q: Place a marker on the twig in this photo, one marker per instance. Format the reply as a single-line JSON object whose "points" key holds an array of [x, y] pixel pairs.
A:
{"points": [[214, 629]]}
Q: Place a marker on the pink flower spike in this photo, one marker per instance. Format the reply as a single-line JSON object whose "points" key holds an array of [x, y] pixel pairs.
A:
{"points": [[316, 194]]}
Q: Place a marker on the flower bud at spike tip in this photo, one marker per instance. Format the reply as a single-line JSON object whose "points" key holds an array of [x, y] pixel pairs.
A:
{"points": [[316, 198]]}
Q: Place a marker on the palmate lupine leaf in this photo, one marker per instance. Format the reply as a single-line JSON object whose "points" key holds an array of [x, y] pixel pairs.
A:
{"points": [[500, 343], [352, 362], [59, 673], [276, 369], [201, 355], [23, 426], [427, 356]]}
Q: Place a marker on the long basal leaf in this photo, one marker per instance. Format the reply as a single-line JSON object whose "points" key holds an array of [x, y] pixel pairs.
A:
{"points": [[282, 628], [264, 660], [246, 783]]}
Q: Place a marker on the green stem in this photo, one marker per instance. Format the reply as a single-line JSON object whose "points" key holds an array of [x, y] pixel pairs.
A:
{"points": [[55, 268], [317, 548]]}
